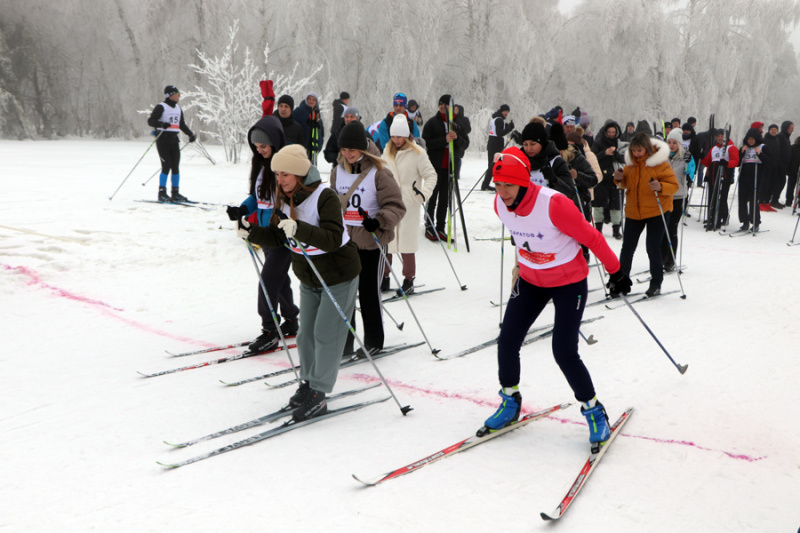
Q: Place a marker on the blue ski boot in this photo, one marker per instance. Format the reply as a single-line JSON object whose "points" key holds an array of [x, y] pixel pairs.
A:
{"points": [[596, 417], [506, 414]]}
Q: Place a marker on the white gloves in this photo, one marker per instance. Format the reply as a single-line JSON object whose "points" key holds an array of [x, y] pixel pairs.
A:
{"points": [[288, 226]]}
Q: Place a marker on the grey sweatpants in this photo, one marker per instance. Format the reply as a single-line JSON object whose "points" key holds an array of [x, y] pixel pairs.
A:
{"points": [[323, 332]]}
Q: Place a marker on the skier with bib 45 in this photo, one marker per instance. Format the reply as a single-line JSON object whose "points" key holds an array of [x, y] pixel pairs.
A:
{"points": [[547, 230]]}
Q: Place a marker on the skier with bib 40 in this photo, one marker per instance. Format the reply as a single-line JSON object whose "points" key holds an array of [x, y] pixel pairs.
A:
{"points": [[547, 231]]}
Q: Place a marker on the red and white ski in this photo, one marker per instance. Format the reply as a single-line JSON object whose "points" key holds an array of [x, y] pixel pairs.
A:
{"points": [[587, 469]]}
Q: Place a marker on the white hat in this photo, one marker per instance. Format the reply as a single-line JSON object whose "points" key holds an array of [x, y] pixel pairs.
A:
{"points": [[399, 127], [676, 134]]}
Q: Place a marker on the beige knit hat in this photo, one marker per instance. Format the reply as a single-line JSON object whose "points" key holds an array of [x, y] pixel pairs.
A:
{"points": [[291, 159]]}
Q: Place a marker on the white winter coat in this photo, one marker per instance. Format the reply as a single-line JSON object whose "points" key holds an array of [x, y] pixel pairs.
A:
{"points": [[409, 166]]}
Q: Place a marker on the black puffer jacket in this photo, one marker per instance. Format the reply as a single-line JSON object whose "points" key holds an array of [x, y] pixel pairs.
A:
{"points": [[555, 171]]}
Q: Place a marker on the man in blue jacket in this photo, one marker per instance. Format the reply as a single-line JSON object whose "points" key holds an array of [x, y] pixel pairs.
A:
{"points": [[399, 107]]}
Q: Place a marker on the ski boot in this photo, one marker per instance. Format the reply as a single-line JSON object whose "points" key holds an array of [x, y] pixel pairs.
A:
{"points": [[289, 327], [300, 395], [163, 197], [385, 287], [314, 405], [177, 196], [596, 417], [506, 414], [408, 287], [265, 342]]}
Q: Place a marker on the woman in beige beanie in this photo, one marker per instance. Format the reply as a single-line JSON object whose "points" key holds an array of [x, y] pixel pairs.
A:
{"points": [[308, 216]]}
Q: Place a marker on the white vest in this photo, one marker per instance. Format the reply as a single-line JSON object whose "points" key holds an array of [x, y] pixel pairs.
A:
{"points": [[308, 211], [365, 196], [539, 243], [538, 178], [172, 116], [685, 143], [750, 155], [719, 153]]}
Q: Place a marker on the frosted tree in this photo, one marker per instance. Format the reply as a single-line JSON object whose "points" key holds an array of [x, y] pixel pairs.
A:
{"points": [[228, 98]]}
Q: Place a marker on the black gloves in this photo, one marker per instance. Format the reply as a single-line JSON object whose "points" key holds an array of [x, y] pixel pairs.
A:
{"points": [[164, 125], [192, 137], [619, 283], [511, 124], [516, 137], [235, 212], [370, 224]]}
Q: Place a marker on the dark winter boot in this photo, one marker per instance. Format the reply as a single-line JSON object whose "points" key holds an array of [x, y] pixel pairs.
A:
{"points": [[598, 226], [289, 327], [268, 340], [653, 290], [408, 287], [508, 412], [385, 287], [430, 234], [314, 405], [177, 196], [617, 234], [162, 195]]}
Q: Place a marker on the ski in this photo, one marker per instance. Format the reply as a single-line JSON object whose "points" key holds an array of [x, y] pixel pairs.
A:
{"points": [[415, 293], [588, 468], [354, 361], [219, 348], [260, 421], [287, 426], [184, 204], [242, 355], [386, 351], [207, 350], [611, 298], [643, 298], [492, 342], [460, 446], [747, 232]]}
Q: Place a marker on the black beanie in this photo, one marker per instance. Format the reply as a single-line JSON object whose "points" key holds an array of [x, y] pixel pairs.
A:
{"points": [[286, 99], [504, 107], [353, 136], [169, 90], [344, 95], [533, 131], [445, 99]]}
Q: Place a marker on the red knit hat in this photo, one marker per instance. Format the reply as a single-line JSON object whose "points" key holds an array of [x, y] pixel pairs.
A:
{"points": [[512, 167]]}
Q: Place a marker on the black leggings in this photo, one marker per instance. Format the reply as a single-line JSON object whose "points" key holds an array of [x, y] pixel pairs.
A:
{"points": [[523, 309], [170, 153]]}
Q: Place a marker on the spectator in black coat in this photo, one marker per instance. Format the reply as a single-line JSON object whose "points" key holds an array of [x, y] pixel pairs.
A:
{"points": [[339, 105], [794, 170], [787, 127], [291, 129], [606, 193], [308, 116], [438, 132]]}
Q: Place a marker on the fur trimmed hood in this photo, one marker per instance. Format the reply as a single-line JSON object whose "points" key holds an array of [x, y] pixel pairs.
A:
{"points": [[661, 155]]}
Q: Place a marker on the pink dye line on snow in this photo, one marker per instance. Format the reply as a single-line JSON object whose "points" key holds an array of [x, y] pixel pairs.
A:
{"points": [[33, 279], [457, 396]]}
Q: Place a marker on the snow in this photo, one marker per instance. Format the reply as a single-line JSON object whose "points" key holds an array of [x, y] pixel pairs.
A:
{"points": [[94, 290]]}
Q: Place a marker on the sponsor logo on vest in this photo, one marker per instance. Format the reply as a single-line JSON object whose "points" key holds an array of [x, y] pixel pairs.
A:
{"points": [[353, 215]]}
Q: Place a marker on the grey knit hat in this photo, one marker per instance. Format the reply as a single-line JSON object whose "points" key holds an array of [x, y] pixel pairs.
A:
{"points": [[258, 136]]}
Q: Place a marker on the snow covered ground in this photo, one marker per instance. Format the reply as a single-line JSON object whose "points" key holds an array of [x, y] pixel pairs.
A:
{"points": [[93, 290]]}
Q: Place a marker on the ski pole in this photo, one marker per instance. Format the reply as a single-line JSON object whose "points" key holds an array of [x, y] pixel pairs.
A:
{"points": [[396, 280], [681, 368], [256, 264], [591, 340], [669, 241], [136, 165], [400, 325], [159, 170], [792, 243], [755, 198], [502, 256], [403, 410], [735, 186], [427, 216]]}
